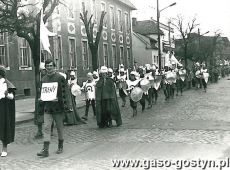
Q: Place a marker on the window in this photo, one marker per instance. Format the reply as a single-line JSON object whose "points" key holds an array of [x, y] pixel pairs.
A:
{"points": [[114, 56], [25, 53], [59, 52], [72, 53], [105, 54], [4, 60], [94, 10], [155, 59], [71, 10], [128, 57], [119, 17], [121, 55], [85, 56], [98, 58], [103, 8], [112, 18], [127, 25]]}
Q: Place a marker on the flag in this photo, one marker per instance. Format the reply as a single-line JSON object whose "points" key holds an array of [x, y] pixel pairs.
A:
{"points": [[44, 35]]}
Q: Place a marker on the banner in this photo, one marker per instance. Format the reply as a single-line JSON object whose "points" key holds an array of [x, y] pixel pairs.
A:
{"points": [[44, 35], [49, 91]]}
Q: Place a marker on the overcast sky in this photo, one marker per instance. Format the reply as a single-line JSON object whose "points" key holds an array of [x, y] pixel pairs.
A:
{"points": [[212, 15]]}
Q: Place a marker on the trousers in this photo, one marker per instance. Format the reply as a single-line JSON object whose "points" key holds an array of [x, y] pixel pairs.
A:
{"points": [[48, 119]]}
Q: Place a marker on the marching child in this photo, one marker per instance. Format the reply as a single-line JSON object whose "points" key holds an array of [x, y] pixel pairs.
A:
{"points": [[89, 89]]}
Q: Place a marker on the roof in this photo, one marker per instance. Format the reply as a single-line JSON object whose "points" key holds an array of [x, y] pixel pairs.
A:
{"points": [[145, 39], [128, 3], [146, 27]]}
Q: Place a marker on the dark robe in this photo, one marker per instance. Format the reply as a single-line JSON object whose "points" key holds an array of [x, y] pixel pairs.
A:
{"points": [[107, 107], [7, 116]]}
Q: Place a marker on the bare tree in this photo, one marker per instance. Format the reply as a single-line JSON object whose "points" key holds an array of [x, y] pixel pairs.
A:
{"points": [[185, 30], [24, 21], [93, 44]]}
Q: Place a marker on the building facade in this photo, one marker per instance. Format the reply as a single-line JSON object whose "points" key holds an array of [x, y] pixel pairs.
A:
{"points": [[69, 47], [145, 38]]}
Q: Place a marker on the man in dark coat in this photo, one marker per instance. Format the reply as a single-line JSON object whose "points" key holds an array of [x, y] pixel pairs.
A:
{"points": [[107, 108], [7, 111]]}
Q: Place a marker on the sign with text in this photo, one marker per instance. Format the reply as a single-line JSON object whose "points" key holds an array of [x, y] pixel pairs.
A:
{"points": [[49, 91]]}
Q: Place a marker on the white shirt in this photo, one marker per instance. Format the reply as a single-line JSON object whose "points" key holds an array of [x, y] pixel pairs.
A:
{"points": [[3, 88], [89, 89]]}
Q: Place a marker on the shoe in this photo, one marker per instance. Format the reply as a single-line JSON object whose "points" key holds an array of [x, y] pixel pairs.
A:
{"points": [[4, 154], [110, 124], [85, 117], [38, 136], [149, 106], [45, 151], [60, 147]]}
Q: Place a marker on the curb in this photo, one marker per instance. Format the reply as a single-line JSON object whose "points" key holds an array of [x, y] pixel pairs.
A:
{"points": [[31, 119]]}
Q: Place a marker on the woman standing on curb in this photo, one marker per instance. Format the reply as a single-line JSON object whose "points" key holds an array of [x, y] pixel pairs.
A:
{"points": [[7, 111]]}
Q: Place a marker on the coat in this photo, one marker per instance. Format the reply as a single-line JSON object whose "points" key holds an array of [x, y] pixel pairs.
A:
{"points": [[7, 116], [106, 102]]}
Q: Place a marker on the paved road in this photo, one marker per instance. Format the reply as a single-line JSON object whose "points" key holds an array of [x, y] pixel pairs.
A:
{"points": [[193, 126]]}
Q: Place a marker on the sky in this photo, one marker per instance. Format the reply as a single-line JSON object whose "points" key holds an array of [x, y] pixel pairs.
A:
{"points": [[211, 15]]}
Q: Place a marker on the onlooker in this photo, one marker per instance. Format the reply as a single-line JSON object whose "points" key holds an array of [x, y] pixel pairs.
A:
{"points": [[7, 111]]}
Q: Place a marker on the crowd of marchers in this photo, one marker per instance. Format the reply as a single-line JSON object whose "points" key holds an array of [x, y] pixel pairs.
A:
{"points": [[139, 85]]}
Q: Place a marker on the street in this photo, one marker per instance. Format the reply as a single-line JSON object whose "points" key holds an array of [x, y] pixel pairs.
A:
{"points": [[195, 125]]}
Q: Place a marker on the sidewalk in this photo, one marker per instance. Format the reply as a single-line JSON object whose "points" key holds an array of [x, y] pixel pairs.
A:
{"points": [[25, 108]]}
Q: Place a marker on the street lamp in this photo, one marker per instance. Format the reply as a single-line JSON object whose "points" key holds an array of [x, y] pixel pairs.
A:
{"points": [[158, 29]]}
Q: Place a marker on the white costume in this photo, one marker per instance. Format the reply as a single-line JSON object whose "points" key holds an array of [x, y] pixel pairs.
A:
{"points": [[89, 89]]}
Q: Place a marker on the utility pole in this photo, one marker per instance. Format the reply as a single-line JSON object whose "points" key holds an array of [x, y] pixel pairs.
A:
{"points": [[170, 43], [158, 35]]}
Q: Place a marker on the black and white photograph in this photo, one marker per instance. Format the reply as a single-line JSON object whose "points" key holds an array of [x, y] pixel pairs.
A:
{"points": [[114, 85]]}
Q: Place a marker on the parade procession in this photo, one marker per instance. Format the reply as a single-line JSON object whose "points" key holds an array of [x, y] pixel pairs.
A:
{"points": [[102, 89], [114, 84]]}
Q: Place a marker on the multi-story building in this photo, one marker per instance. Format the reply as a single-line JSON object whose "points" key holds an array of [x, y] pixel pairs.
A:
{"points": [[70, 47], [145, 38]]}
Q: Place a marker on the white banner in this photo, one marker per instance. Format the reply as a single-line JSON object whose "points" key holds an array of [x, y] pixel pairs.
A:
{"points": [[49, 91]]}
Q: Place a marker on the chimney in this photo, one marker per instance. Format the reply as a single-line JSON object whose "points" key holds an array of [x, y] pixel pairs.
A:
{"points": [[134, 21]]}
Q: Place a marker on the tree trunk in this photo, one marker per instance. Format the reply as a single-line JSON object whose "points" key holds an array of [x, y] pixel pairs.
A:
{"points": [[185, 57], [94, 58], [36, 60]]}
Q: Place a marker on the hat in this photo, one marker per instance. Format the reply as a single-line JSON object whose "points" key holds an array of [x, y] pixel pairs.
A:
{"points": [[133, 73], [103, 69], [122, 70], [147, 66], [110, 70], [72, 73], [2, 70], [95, 73], [89, 74], [153, 67]]}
